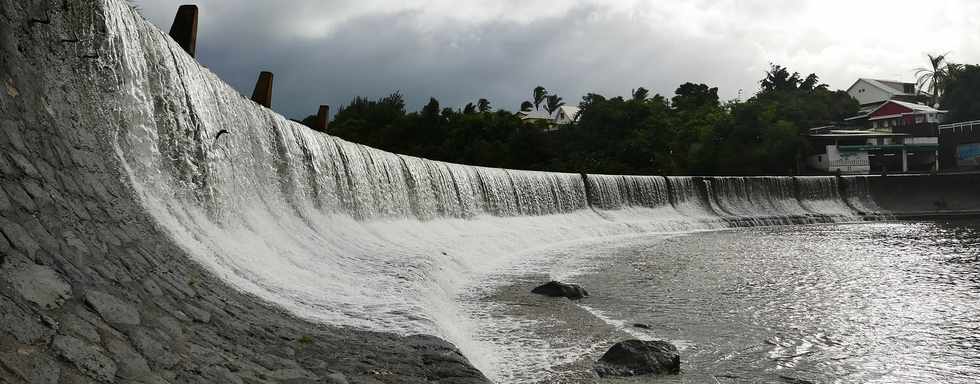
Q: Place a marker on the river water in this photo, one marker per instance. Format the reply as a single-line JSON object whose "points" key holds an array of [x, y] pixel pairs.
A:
{"points": [[880, 302]]}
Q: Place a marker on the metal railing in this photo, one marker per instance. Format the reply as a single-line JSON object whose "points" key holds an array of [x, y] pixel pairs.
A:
{"points": [[961, 124]]}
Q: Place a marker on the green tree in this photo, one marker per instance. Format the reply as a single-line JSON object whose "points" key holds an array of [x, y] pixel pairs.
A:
{"points": [[961, 96], [778, 78], [527, 106], [483, 105], [697, 115], [552, 103], [538, 95], [640, 94], [617, 136], [694, 133], [378, 123], [692, 97], [932, 79]]}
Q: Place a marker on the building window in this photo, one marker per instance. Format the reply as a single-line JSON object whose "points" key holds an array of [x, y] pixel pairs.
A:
{"points": [[819, 159]]}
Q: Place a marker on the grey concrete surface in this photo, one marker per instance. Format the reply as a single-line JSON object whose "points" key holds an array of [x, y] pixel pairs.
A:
{"points": [[927, 195]]}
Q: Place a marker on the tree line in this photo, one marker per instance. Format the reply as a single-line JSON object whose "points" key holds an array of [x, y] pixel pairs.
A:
{"points": [[691, 132], [953, 87]]}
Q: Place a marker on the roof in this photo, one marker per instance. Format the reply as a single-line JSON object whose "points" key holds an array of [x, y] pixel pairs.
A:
{"points": [[857, 133], [569, 110], [892, 87], [916, 109], [534, 114], [822, 128], [856, 117]]}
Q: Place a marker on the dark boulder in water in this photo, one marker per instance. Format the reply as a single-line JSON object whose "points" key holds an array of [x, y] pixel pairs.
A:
{"points": [[638, 357], [557, 289]]}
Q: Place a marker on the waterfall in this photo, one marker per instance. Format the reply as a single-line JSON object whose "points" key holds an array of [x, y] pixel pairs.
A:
{"points": [[339, 232], [612, 192], [820, 195], [755, 200], [858, 196]]}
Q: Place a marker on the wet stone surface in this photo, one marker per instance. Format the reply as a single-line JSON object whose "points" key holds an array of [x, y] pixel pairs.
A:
{"points": [[90, 290]]}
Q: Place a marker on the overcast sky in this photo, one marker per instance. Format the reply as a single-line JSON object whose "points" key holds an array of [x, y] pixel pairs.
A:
{"points": [[328, 51]]}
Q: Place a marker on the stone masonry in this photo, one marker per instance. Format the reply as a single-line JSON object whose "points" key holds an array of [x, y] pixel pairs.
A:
{"points": [[92, 291]]}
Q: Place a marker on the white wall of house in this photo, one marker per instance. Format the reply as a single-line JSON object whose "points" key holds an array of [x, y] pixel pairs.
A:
{"points": [[848, 163], [921, 140], [865, 93], [566, 115]]}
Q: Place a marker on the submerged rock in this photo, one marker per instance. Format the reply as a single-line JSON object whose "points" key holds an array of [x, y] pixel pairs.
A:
{"points": [[638, 357], [557, 289]]}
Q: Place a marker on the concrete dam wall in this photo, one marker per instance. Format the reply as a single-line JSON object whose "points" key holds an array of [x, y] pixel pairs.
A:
{"points": [[921, 196], [137, 246]]}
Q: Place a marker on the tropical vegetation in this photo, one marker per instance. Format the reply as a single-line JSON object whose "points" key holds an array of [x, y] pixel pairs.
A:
{"points": [[690, 132]]}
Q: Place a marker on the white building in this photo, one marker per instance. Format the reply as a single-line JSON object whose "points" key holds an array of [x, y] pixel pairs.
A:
{"points": [[872, 92], [566, 115], [533, 116], [862, 152], [905, 117]]}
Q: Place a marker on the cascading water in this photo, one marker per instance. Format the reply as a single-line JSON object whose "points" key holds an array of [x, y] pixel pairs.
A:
{"points": [[821, 196], [645, 202], [342, 233], [613, 192], [690, 197], [756, 200], [858, 196]]}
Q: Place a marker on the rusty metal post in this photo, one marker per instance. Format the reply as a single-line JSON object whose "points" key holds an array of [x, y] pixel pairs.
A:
{"points": [[322, 118], [184, 29], [263, 90]]}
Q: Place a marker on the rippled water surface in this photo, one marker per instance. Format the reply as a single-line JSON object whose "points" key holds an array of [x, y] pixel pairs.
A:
{"points": [[882, 302]]}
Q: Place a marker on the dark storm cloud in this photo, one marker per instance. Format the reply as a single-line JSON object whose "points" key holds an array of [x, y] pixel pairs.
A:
{"points": [[329, 52]]}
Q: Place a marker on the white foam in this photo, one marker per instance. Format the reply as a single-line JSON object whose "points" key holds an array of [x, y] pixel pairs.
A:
{"points": [[349, 235]]}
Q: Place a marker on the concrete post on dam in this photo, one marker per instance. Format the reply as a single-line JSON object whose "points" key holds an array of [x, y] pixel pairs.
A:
{"points": [[263, 90], [184, 28], [322, 118]]}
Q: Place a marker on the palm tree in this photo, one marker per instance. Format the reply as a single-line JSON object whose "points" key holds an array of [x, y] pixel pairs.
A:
{"points": [[640, 94], [483, 105], [552, 103], [538, 95], [933, 79], [469, 109]]}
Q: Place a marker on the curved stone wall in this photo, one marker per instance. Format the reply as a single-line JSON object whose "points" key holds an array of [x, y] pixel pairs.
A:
{"points": [[91, 290], [96, 288]]}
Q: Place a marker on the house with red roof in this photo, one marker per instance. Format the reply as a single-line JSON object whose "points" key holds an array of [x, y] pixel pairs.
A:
{"points": [[896, 136]]}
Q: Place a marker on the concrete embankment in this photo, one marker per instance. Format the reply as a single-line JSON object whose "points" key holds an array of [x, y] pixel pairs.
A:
{"points": [[927, 196], [91, 289]]}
